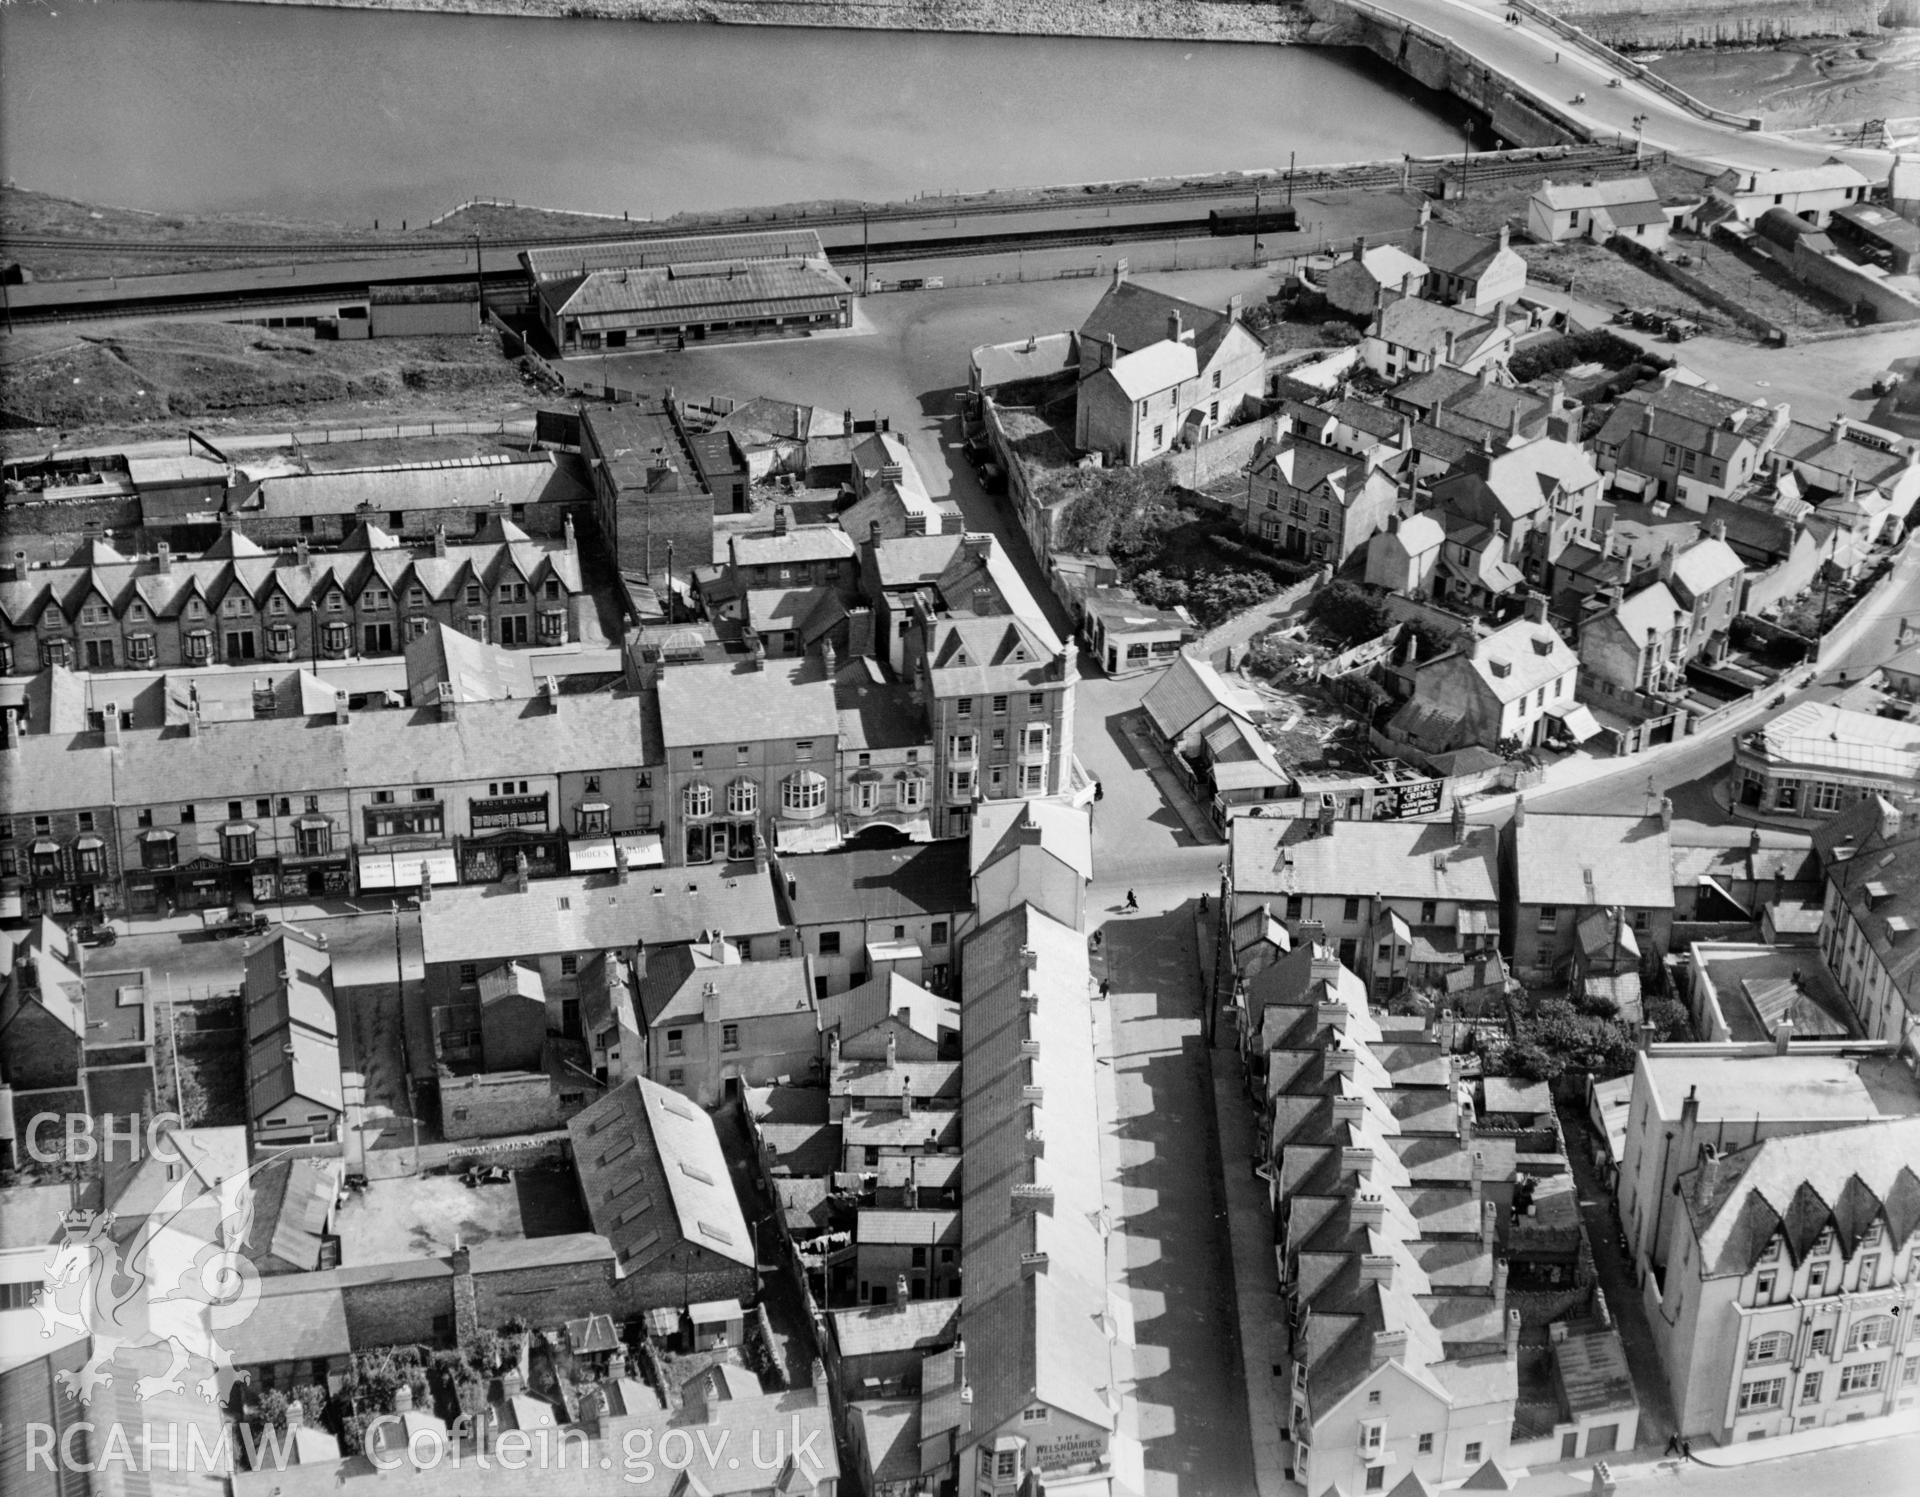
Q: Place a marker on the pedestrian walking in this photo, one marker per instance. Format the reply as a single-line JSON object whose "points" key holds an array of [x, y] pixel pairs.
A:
{"points": [[1132, 902], [1203, 901], [1098, 937], [1673, 1443], [1686, 1450], [1106, 986]]}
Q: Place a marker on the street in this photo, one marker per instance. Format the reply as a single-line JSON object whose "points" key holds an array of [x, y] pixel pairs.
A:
{"points": [[1882, 1468], [1187, 1405]]}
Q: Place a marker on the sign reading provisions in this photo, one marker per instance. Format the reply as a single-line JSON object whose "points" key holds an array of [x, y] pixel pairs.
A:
{"points": [[509, 811]]}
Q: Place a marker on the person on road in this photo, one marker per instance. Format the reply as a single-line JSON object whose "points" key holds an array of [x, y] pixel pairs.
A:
{"points": [[1203, 901], [1106, 986], [1132, 903]]}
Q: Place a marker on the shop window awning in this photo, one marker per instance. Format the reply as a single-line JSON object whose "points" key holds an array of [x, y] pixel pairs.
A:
{"points": [[643, 850], [916, 827], [401, 870], [806, 836], [590, 854], [1577, 720]]}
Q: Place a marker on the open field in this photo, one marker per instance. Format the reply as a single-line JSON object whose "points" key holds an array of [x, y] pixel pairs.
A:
{"points": [[116, 376]]}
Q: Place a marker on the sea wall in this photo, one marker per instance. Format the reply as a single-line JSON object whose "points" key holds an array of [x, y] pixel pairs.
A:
{"points": [[1167, 20], [1637, 23]]}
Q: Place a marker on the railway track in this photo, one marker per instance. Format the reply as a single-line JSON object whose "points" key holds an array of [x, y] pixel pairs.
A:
{"points": [[1423, 173]]}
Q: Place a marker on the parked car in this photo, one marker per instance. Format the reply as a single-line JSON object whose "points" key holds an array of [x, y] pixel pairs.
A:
{"points": [[93, 933], [1887, 381], [1682, 328], [241, 920]]}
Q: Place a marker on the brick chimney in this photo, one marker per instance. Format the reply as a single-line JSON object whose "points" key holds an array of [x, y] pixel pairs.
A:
{"points": [[439, 540], [162, 559], [1377, 1268], [1388, 1346], [1176, 329]]}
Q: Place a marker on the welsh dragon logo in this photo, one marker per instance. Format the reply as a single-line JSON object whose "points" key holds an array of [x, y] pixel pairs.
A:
{"points": [[180, 1280]]}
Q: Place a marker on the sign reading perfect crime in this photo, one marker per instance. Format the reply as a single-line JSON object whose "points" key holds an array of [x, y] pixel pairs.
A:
{"points": [[1422, 799], [509, 811]]}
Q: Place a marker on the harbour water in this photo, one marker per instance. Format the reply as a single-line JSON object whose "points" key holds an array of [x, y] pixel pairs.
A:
{"points": [[348, 116]]}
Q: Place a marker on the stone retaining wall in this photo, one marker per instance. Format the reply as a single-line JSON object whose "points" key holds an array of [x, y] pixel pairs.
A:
{"points": [[1169, 20]]}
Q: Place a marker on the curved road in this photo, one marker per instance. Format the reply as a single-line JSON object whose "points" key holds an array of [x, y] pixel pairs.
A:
{"points": [[1526, 53]]}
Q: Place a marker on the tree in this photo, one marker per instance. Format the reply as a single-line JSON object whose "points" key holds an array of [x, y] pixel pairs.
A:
{"points": [[1115, 511], [1349, 611], [1670, 1019]]}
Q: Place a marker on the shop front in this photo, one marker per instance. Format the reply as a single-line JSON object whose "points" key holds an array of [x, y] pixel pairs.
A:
{"points": [[317, 876], [601, 854], [400, 869], [505, 829], [64, 881]]}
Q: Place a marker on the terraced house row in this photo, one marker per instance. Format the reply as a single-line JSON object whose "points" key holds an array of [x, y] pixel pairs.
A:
{"points": [[238, 602]]}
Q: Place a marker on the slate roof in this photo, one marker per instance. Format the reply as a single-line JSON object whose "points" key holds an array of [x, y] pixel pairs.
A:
{"points": [[798, 546], [293, 1045], [1395, 859], [1189, 689], [888, 996], [1412, 322], [647, 1121], [974, 656], [1629, 858], [905, 1325], [1136, 317], [679, 982], [999, 827], [888, 883], [1158, 366], [999, 364], [1535, 654], [1563, 196], [1798, 1185], [1454, 251], [1704, 565], [594, 912], [1035, 1332], [724, 703], [238, 567]]}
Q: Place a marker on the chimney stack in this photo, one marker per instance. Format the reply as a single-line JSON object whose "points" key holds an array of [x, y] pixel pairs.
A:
{"points": [[439, 540], [1175, 329], [163, 559], [1513, 1334], [1782, 1036]]}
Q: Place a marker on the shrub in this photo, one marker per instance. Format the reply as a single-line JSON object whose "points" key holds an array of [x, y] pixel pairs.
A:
{"points": [[1348, 611], [1116, 511], [1594, 346], [1338, 333]]}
